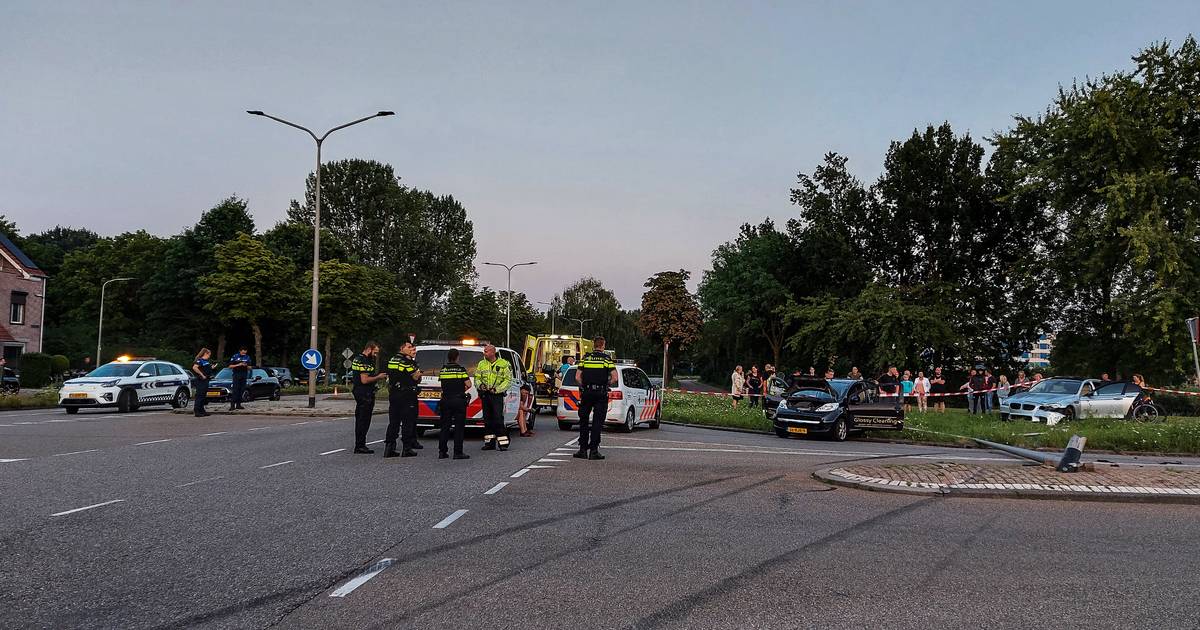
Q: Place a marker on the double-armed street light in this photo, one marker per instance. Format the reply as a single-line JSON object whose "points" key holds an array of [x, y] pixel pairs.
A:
{"points": [[508, 309], [316, 270], [581, 321]]}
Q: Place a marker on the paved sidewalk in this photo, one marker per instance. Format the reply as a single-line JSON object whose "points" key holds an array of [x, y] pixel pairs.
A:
{"points": [[328, 406], [1103, 482]]}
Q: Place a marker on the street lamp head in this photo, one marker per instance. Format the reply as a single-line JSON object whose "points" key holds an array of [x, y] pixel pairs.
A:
{"points": [[386, 114], [255, 112]]}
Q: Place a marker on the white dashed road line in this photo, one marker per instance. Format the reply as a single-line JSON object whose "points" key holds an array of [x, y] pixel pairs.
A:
{"points": [[497, 488], [90, 450], [375, 442], [372, 571], [192, 483], [444, 523], [336, 450], [152, 442], [9, 461], [535, 466], [290, 461], [520, 473], [214, 433], [547, 460], [88, 507], [257, 428]]}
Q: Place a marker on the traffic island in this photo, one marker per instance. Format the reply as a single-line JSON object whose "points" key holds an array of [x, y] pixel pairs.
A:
{"points": [[1096, 482], [327, 407]]}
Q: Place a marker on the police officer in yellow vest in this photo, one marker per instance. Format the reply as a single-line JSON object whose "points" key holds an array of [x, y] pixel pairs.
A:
{"points": [[453, 406], [403, 377], [493, 375], [596, 372], [362, 370]]}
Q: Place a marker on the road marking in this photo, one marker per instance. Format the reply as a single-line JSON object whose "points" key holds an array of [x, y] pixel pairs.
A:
{"points": [[532, 466], [152, 442], [520, 472], [192, 483], [214, 433], [444, 523], [9, 461], [88, 507], [90, 450], [375, 442], [497, 488], [372, 571], [296, 424], [552, 461], [563, 448], [24, 423], [258, 428], [290, 461], [336, 450], [574, 442]]}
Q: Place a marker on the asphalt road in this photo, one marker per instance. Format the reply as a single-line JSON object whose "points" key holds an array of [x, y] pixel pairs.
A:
{"points": [[248, 522]]}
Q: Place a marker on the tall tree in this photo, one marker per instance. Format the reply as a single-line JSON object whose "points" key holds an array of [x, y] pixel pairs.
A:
{"points": [[250, 284], [669, 314], [474, 313], [49, 248]]}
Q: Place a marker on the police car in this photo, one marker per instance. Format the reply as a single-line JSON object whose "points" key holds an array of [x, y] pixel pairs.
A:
{"points": [[635, 400], [128, 384], [431, 356]]}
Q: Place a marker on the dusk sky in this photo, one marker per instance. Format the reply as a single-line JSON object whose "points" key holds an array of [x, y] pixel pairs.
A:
{"points": [[611, 139]]}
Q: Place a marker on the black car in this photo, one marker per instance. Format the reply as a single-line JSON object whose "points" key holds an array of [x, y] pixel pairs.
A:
{"points": [[259, 385], [11, 383], [283, 374], [834, 408]]}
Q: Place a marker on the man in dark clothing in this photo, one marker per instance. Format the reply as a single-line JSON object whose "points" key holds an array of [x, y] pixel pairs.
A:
{"points": [[595, 373], [362, 369], [403, 377], [889, 383], [453, 406], [240, 364], [976, 385]]}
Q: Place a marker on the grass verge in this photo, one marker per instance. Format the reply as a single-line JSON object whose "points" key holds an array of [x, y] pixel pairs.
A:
{"points": [[39, 400]]}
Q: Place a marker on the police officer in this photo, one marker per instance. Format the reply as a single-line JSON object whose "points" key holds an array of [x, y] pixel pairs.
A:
{"points": [[493, 375], [403, 376], [362, 368], [453, 406], [240, 364], [202, 372], [596, 372]]}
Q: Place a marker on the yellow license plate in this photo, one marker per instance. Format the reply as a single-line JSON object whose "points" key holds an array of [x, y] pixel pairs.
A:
{"points": [[78, 395], [800, 430], [213, 394], [429, 393]]}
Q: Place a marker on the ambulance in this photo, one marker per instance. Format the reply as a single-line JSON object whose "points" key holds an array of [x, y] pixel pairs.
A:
{"points": [[635, 400], [543, 355], [431, 356]]}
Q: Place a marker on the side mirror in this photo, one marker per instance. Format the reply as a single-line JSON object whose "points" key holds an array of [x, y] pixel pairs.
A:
{"points": [[258, 378], [144, 375]]}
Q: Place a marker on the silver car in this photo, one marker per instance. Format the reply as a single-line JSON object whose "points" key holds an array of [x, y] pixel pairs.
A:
{"points": [[1056, 400]]}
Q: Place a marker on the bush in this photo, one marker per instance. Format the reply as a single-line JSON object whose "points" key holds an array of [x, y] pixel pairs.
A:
{"points": [[35, 369], [59, 364]]}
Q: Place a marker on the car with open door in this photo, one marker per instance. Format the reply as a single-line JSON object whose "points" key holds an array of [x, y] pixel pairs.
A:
{"points": [[835, 408]]}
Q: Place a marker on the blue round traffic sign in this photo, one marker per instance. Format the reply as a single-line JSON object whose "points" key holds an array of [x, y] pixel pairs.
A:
{"points": [[311, 359]]}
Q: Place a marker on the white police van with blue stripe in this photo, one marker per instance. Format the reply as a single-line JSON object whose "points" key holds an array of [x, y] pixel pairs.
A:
{"points": [[128, 384]]}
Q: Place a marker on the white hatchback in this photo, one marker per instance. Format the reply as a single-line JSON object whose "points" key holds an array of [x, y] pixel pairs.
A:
{"points": [[127, 385], [635, 400]]}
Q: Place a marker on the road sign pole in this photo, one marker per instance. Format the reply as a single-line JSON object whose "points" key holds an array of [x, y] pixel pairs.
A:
{"points": [[1193, 325]]}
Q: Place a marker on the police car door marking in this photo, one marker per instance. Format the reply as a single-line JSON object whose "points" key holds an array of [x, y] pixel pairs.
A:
{"points": [[372, 571], [444, 523]]}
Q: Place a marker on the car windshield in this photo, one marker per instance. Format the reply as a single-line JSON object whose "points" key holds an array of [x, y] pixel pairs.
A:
{"points": [[115, 369], [1056, 386], [431, 360], [225, 374]]}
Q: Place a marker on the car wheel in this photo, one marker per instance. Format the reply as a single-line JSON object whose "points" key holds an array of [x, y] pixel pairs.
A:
{"points": [[564, 426], [1069, 416], [630, 421], [181, 399], [126, 401], [247, 395], [275, 394], [840, 431], [72, 410], [781, 433]]}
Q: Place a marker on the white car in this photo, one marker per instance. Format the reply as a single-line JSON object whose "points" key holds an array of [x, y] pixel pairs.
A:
{"points": [[635, 400], [431, 358], [128, 384]]}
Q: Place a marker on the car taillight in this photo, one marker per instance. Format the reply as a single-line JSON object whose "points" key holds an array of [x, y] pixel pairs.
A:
{"points": [[615, 395], [562, 393]]}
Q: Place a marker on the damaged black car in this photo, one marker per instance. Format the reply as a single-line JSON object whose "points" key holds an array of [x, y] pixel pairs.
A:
{"points": [[834, 408]]}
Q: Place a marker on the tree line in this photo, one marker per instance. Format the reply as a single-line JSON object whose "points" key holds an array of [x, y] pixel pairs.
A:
{"points": [[1081, 221]]}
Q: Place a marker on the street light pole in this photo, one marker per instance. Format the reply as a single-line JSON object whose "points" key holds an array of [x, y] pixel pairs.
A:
{"points": [[100, 328], [581, 321], [508, 309], [316, 268], [553, 319]]}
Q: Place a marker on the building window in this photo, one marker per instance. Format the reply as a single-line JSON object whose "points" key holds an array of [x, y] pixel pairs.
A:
{"points": [[16, 312]]}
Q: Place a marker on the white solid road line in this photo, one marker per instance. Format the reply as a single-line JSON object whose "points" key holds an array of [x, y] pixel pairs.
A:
{"points": [[372, 571], [497, 488], [375, 442], [444, 523], [88, 507], [336, 450], [90, 450], [290, 461], [296, 424], [152, 442], [214, 433], [9, 461], [520, 472], [192, 483]]}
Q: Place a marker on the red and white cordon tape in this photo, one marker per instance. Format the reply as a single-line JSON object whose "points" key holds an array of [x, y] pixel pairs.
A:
{"points": [[1012, 388], [1172, 391]]}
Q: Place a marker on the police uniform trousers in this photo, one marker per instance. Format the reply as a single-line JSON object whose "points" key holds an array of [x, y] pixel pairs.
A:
{"points": [[239, 388], [453, 410], [364, 406], [493, 414], [201, 395], [402, 418], [593, 407]]}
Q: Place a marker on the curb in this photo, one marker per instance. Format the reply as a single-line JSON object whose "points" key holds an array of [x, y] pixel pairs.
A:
{"points": [[1052, 495], [717, 428], [297, 413]]}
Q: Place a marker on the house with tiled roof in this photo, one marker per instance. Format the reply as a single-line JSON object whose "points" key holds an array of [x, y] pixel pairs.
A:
{"points": [[22, 302]]}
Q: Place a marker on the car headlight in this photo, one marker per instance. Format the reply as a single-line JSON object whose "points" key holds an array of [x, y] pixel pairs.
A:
{"points": [[110, 383], [827, 407], [782, 405]]}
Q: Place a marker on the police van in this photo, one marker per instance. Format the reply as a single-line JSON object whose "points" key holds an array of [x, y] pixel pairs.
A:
{"points": [[431, 356], [635, 400]]}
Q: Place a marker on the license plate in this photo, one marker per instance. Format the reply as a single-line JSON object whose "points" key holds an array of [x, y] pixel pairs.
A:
{"points": [[799, 430], [213, 394], [429, 393], [78, 395]]}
